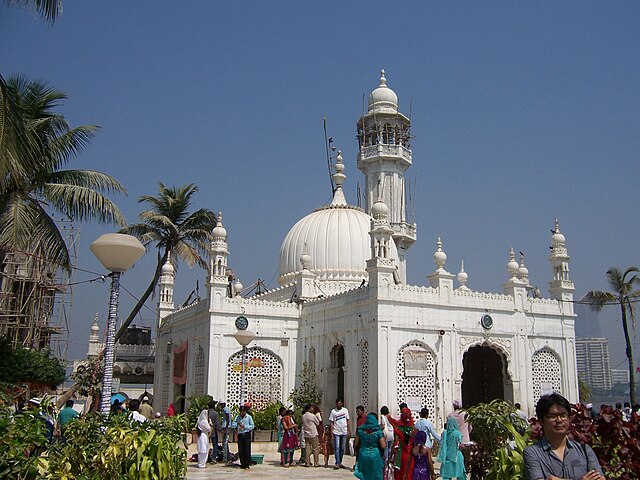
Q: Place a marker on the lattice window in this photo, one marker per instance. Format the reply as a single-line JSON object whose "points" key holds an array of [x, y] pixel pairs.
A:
{"points": [[263, 377], [364, 361], [164, 384], [198, 372], [312, 359], [546, 371], [416, 378]]}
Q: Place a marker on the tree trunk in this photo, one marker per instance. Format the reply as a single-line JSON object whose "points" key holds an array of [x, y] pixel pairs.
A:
{"points": [[67, 395], [632, 383], [145, 296]]}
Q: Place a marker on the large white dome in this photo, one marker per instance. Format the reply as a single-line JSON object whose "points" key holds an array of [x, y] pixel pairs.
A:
{"points": [[334, 237]]}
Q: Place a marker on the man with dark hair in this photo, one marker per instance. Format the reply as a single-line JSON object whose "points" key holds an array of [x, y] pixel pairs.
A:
{"points": [[556, 456], [310, 423], [426, 426], [340, 430], [245, 424], [214, 420], [134, 414], [66, 415]]}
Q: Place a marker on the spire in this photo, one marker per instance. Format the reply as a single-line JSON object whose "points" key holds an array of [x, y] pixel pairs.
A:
{"points": [[383, 79], [439, 257], [462, 277], [512, 266], [523, 271], [305, 258], [339, 177]]}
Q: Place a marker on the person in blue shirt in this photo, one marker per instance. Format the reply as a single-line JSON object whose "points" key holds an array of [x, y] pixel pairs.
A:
{"points": [[426, 426], [66, 415], [245, 426], [225, 426]]}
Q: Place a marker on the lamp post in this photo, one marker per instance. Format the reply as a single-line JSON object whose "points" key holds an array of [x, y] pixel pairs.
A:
{"points": [[117, 253], [244, 338]]}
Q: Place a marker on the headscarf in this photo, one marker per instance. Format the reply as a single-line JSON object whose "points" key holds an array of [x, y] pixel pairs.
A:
{"points": [[370, 425], [203, 421], [406, 419], [449, 442]]}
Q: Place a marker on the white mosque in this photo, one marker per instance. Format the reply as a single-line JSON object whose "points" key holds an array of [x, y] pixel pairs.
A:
{"points": [[345, 309]]}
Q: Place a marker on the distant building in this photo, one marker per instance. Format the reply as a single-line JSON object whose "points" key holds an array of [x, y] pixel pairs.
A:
{"points": [[594, 364], [619, 376]]}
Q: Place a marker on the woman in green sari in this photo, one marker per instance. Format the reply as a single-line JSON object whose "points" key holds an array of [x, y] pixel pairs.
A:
{"points": [[450, 456], [371, 441]]}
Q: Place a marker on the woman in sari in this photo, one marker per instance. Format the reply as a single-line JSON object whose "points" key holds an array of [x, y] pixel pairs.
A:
{"points": [[403, 459], [281, 413], [289, 438], [450, 456], [370, 440]]}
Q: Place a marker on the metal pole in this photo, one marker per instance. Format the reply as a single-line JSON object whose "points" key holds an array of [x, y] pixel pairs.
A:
{"points": [[242, 397], [109, 348]]}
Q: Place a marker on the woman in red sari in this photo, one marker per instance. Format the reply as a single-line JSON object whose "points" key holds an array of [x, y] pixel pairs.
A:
{"points": [[403, 458]]}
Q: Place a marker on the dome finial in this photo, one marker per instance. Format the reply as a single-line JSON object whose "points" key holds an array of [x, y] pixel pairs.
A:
{"points": [[339, 177], [523, 271], [383, 79], [512, 265], [463, 277], [439, 258]]}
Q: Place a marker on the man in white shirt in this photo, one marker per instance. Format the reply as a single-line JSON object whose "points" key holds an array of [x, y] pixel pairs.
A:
{"points": [[340, 429], [134, 414]]}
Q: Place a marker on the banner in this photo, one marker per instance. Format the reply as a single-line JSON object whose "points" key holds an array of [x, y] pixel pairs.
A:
{"points": [[180, 363]]}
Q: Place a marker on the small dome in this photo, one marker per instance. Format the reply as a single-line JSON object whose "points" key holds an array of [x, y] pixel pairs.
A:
{"points": [[238, 287], [219, 231], [557, 237], [167, 268], [379, 209], [523, 271], [512, 265], [383, 97], [439, 258]]}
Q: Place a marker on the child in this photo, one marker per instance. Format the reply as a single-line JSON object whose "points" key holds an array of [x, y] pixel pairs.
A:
{"points": [[422, 460], [326, 445]]}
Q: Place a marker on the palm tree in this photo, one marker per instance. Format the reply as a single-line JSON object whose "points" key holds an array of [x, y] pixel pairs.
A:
{"points": [[35, 144], [624, 293], [174, 231], [49, 9]]}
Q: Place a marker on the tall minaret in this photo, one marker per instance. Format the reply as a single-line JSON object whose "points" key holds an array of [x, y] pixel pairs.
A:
{"points": [[218, 284], [166, 284], [561, 287], [384, 154]]}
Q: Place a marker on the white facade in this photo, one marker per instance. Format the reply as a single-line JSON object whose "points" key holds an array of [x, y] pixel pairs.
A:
{"points": [[345, 309]]}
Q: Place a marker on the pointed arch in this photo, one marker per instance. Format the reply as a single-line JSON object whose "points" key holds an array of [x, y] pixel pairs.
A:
{"points": [[264, 377], [416, 375], [198, 372], [546, 372]]}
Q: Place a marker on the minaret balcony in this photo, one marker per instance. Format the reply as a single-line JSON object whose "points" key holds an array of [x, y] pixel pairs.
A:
{"points": [[375, 153], [405, 232]]}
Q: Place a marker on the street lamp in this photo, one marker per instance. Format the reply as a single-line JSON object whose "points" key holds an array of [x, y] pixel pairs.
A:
{"points": [[244, 338], [117, 253]]}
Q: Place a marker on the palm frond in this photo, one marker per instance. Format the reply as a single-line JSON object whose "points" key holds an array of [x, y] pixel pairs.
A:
{"points": [[597, 299], [82, 203]]}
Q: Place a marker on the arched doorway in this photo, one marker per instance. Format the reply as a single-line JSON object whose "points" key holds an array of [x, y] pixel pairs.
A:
{"points": [[335, 377], [485, 376]]}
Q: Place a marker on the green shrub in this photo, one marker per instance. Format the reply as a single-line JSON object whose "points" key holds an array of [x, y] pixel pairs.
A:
{"points": [[265, 419]]}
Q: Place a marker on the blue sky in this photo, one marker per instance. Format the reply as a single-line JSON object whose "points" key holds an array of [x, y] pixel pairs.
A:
{"points": [[522, 112]]}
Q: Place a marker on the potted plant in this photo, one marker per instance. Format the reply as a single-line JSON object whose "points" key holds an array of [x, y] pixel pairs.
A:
{"points": [[265, 422]]}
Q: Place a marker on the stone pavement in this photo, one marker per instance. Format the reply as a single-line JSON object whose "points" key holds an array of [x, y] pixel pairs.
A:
{"points": [[269, 469]]}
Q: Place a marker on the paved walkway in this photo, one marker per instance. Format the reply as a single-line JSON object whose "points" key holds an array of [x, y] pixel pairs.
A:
{"points": [[270, 468]]}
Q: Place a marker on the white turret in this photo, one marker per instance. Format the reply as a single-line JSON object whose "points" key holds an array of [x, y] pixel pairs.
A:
{"points": [[441, 279], [384, 155], [166, 285], [561, 287], [463, 277], [218, 284], [523, 271], [94, 339], [381, 267]]}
